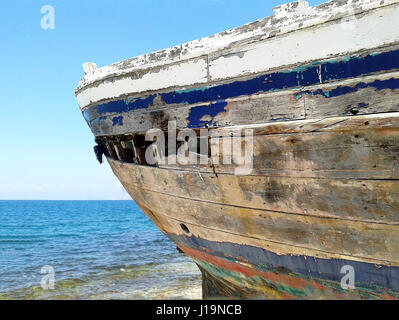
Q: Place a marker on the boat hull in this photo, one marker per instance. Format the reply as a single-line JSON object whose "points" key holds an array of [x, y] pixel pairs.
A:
{"points": [[253, 237], [243, 266], [311, 211]]}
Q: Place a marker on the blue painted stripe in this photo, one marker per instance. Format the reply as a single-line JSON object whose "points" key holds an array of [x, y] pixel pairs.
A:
{"points": [[378, 85], [117, 121], [118, 106], [332, 70], [367, 275], [197, 113]]}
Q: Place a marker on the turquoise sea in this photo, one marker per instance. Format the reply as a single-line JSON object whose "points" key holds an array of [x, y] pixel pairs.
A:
{"points": [[97, 250]]}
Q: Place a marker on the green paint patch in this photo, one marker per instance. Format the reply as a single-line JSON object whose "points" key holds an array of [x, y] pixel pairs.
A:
{"points": [[191, 90], [300, 69]]}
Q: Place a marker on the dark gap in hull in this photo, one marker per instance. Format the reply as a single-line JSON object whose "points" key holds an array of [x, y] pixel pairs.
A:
{"points": [[132, 148]]}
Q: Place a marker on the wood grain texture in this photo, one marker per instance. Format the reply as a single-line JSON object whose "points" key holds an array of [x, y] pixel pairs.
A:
{"points": [[246, 110], [325, 208], [366, 95], [362, 240], [359, 96], [279, 233], [358, 147], [363, 200]]}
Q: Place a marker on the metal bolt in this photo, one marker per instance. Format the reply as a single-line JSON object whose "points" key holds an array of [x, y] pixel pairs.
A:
{"points": [[354, 110]]}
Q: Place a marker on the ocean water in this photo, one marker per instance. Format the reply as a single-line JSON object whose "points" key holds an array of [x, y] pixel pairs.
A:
{"points": [[96, 249]]}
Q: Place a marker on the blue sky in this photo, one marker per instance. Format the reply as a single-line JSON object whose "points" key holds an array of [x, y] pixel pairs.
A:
{"points": [[45, 145]]}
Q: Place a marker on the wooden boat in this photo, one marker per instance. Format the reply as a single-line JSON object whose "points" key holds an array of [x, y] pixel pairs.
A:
{"points": [[315, 213]]}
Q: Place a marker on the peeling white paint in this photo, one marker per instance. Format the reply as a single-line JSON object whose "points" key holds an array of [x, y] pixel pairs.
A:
{"points": [[181, 74], [273, 44], [377, 28]]}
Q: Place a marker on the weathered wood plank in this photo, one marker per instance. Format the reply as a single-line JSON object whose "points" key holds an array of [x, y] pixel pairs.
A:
{"points": [[172, 226], [365, 200], [366, 95], [369, 154], [336, 236], [332, 124], [246, 110], [369, 95], [360, 147]]}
